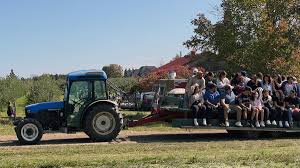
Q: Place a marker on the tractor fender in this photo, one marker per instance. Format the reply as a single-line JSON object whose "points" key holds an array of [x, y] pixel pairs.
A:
{"points": [[95, 103], [108, 102]]}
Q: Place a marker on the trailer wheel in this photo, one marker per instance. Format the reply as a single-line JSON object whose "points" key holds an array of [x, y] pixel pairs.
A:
{"points": [[29, 131], [103, 123]]}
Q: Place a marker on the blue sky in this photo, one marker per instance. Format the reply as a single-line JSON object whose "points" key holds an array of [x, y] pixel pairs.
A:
{"points": [[59, 36]]}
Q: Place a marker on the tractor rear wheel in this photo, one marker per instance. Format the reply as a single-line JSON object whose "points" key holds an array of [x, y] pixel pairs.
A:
{"points": [[29, 131], [103, 123]]}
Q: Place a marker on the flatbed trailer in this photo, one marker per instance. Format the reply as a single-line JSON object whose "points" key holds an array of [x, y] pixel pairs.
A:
{"points": [[182, 118], [265, 129]]}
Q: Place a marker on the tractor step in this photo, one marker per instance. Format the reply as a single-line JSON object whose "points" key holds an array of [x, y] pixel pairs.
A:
{"points": [[61, 130]]}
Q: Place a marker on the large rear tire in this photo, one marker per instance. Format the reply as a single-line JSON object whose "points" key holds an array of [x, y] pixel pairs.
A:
{"points": [[29, 132], [103, 123]]}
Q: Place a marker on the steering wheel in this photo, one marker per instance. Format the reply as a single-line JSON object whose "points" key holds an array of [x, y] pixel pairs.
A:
{"points": [[79, 101]]}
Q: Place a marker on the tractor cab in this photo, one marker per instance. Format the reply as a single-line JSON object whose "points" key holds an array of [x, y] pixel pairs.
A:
{"points": [[85, 108], [83, 88]]}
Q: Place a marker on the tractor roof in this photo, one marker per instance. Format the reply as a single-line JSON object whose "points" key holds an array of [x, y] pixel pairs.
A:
{"points": [[87, 74]]}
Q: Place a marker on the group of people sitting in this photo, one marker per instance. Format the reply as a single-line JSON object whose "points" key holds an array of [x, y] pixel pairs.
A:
{"points": [[259, 101]]}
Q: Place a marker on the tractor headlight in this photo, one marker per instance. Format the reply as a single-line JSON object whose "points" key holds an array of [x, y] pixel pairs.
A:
{"points": [[27, 112]]}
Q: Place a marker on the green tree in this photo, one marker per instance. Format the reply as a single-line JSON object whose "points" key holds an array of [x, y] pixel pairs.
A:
{"points": [[11, 88], [125, 84], [113, 70], [44, 88], [254, 35]]}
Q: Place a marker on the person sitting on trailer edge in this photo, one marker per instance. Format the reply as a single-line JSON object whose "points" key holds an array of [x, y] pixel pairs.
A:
{"points": [[254, 83], [209, 79], [267, 84], [257, 109], [245, 78], [197, 105], [238, 84], [228, 103], [222, 81], [288, 86], [277, 82], [212, 102], [243, 100], [260, 77], [278, 101], [270, 111], [292, 103]]}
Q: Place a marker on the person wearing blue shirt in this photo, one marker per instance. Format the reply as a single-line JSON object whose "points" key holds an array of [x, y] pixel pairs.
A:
{"points": [[228, 102], [212, 102]]}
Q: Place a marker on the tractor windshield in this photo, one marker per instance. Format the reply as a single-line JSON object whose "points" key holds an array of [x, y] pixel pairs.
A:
{"points": [[82, 92]]}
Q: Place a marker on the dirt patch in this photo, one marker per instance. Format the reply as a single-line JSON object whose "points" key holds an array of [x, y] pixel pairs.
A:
{"points": [[126, 136]]}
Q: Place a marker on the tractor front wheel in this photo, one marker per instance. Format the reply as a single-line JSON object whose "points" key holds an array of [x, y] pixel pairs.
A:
{"points": [[29, 132], [103, 123]]}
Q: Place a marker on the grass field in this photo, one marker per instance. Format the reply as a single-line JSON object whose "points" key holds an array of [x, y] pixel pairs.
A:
{"points": [[264, 153]]}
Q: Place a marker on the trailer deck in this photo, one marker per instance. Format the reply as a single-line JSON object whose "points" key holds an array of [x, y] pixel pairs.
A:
{"points": [[182, 118], [266, 129], [188, 124]]}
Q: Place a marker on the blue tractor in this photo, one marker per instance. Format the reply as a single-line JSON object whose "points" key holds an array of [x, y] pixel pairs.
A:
{"points": [[86, 107]]}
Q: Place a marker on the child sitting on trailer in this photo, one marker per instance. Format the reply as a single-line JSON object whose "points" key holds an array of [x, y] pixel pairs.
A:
{"points": [[292, 103], [238, 84], [278, 101], [243, 100], [288, 86], [257, 109], [212, 102], [197, 105], [270, 111]]}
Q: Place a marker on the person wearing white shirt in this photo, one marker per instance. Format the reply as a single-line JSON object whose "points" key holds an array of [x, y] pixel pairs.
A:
{"points": [[267, 84], [222, 80], [196, 103]]}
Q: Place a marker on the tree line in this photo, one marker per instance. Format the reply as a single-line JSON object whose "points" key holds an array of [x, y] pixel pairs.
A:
{"points": [[35, 89], [47, 87]]}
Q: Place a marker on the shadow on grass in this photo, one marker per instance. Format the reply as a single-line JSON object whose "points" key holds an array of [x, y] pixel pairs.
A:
{"points": [[49, 142], [206, 137], [164, 138]]}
